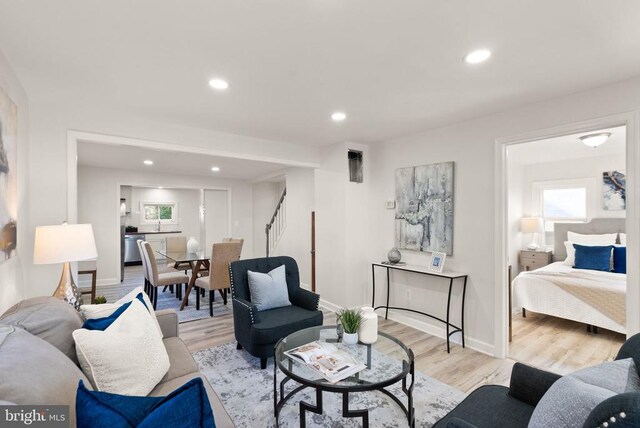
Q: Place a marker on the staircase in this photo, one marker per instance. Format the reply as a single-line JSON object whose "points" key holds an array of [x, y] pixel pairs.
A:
{"points": [[278, 223]]}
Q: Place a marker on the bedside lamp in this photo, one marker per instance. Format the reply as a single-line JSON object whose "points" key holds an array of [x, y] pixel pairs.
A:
{"points": [[532, 225], [65, 243]]}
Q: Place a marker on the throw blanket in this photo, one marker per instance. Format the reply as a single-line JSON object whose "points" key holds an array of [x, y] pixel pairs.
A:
{"points": [[603, 291]]}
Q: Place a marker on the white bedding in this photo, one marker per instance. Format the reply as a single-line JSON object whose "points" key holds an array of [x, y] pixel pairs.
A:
{"points": [[555, 290]]}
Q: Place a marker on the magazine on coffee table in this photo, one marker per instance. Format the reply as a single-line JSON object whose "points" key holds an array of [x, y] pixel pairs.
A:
{"points": [[327, 360]]}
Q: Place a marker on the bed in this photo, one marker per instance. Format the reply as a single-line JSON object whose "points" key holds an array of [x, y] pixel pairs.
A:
{"points": [[595, 298]]}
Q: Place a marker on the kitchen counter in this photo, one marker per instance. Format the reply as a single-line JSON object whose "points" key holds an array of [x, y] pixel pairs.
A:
{"points": [[151, 233]]}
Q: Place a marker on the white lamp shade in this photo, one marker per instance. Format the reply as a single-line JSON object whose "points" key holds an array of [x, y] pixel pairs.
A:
{"points": [[64, 243], [531, 225]]}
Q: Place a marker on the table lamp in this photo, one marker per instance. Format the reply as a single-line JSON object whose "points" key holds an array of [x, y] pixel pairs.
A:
{"points": [[65, 243], [532, 225]]}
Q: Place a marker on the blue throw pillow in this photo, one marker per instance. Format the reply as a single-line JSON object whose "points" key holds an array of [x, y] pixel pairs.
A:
{"points": [[103, 323], [620, 259], [593, 258], [186, 407]]}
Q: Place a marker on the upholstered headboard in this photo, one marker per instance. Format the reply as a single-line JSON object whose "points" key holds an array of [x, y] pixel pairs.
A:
{"points": [[595, 226]]}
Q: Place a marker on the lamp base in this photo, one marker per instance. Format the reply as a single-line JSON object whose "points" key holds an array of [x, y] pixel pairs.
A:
{"points": [[533, 247], [67, 289]]}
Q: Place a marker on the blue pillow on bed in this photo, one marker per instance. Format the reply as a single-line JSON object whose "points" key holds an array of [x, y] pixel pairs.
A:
{"points": [[620, 259], [593, 258]]}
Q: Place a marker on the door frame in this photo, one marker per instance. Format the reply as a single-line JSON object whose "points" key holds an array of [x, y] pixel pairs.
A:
{"points": [[631, 120]]}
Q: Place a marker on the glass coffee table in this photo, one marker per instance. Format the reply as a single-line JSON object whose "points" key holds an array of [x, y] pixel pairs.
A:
{"points": [[388, 362]]}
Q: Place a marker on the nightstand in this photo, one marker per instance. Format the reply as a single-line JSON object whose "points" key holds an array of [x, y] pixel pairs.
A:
{"points": [[532, 260]]}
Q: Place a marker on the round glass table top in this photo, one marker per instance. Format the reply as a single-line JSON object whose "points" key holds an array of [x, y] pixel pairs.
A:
{"points": [[387, 360]]}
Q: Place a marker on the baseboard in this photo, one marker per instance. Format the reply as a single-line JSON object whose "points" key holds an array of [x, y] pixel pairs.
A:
{"points": [[476, 345]]}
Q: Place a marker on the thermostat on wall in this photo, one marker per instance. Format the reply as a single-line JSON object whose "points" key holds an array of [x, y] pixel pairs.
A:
{"points": [[391, 205]]}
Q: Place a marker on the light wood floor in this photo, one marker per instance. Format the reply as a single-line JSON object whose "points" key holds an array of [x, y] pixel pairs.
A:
{"points": [[550, 343]]}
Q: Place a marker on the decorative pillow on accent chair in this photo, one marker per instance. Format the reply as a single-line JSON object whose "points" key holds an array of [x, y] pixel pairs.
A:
{"points": [[106, 309], [571, 398], [269, 290], [128, 357], [593, 258], [186, 407]]}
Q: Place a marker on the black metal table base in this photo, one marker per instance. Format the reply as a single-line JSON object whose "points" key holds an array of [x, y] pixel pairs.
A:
{"points": [[305, 407], [446, 321]]}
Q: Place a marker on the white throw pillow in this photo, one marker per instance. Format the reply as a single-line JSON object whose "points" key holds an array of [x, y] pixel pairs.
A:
{"points": [[592, 240], [571, 253], [106, 309], [127, 358], [623, 239]]}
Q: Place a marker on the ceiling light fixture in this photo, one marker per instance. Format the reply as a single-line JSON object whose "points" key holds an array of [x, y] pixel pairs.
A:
{"points": [[594, 140], [160, 187], [218, 84], [338, 116], [148, 162], [215, 168], [477, 57]]}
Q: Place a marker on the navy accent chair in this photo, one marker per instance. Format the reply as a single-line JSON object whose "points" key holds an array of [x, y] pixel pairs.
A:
{"points": [[499, 406], [258, 332]]}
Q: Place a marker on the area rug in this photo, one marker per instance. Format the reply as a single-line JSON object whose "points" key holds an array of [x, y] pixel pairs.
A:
{"points": [[167, 300], [247, 394]]}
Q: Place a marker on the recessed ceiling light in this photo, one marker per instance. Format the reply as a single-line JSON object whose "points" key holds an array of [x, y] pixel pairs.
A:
{"points": [[148, 162], [594, 140], [160, 187], [478, 56], [215, 168], [338, 116], [218, 84]]}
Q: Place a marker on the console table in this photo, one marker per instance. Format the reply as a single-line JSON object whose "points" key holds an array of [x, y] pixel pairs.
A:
{"points": [[449, 275]]}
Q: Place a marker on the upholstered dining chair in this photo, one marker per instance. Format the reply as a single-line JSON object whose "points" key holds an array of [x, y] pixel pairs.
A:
{"points": [[218, 278], [157, 279], [177, 244], [145, 268]]}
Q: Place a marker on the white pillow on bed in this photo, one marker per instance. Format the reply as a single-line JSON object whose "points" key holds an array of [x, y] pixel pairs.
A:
{"points": [[571, 254], [623, 239], [592, 240]]}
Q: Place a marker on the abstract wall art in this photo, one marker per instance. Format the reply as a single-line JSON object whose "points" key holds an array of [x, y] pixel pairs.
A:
{"points": [[613, 190], [424, 208], [8, 176]]}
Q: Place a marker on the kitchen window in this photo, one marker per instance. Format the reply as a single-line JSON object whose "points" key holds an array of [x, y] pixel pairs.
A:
{"points": [[152, 212]]}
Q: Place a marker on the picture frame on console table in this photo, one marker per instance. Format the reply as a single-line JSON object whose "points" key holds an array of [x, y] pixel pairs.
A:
{"points": [[437, 261]]}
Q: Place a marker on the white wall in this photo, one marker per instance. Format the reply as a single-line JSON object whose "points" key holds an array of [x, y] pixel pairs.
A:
{"points": [[99, 204], [13, 272], [296, 240], [471, 145]]}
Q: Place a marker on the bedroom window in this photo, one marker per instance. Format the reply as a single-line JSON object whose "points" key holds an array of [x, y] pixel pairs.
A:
{"points": [[562, 200]]}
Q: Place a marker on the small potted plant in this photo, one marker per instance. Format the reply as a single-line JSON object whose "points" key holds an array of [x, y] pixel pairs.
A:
{"points": [[100, 300], [351, 319]]}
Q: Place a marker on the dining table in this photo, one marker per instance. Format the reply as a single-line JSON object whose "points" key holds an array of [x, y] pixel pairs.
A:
{"points": [[199, 260]]}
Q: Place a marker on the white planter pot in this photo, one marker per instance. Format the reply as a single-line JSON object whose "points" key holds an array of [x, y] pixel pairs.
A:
{"points": [[368, 332], [350, 338]]}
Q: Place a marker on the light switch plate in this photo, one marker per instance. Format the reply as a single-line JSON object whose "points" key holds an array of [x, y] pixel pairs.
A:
{"points": [[391, 205]]}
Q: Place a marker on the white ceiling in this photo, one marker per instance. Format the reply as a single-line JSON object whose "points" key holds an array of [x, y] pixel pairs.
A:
{"points": [[395, 67], [567, 147], [132, 158]]}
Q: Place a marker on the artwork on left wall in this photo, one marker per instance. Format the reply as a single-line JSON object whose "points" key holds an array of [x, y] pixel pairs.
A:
{"points": [[8, 176], [424, 208], [614, 185]]}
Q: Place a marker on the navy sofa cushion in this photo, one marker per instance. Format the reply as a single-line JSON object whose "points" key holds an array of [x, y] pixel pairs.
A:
{"points": [[620, 259], [593, 257], [186, 407]]}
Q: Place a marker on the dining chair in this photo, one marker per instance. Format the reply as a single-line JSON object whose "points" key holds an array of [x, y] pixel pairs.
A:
{"points": [[145, 269], [157, 279], [218, 279], [177, 244]]}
